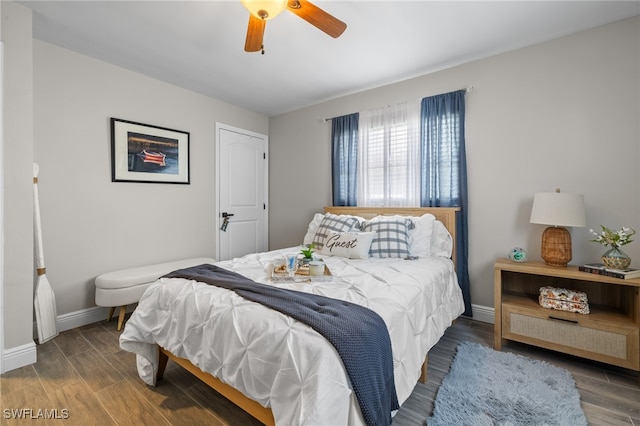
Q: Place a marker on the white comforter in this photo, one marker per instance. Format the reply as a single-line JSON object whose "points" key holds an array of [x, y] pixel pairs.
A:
{"points": [[280, 362]]}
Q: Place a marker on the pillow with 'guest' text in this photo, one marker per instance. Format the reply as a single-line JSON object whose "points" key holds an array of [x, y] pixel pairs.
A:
{"points": [[353, 245]]}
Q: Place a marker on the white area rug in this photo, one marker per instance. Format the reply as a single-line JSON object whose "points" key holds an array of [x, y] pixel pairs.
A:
{"points": [[486, 387]]}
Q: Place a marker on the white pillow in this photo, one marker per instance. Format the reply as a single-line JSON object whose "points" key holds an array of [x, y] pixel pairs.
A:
{"points": [[441, 241], [354, 245], [420, 236], [313, 227]]}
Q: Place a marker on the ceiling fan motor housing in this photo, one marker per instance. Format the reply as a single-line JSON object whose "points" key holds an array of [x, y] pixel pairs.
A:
{"points": [[265, 9]]}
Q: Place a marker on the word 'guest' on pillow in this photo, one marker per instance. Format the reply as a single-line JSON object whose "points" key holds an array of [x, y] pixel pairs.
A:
{"points": [[353, 245]]}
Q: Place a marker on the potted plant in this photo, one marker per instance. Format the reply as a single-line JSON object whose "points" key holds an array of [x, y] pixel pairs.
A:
{"points": [[307, 253]]}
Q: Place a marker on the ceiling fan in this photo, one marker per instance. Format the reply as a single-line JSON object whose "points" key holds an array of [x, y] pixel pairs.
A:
{"points": [[264, 10]]}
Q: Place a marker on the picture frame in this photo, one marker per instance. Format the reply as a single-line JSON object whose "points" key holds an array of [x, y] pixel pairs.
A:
{"points": [[149, 154]]}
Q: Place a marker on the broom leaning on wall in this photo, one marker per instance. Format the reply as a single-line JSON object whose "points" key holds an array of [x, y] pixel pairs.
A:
{"points": [[45, 300]]}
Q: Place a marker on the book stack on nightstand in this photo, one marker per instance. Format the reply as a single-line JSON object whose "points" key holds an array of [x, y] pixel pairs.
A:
{"points": [[600, 269], [609, 333]]}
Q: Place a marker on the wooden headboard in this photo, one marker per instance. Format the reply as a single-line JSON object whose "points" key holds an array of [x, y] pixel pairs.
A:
{"points": [[446, 215]]}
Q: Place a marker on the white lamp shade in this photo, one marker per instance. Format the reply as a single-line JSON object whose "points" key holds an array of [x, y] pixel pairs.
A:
{"points": [[258, 8], [558, 209]]}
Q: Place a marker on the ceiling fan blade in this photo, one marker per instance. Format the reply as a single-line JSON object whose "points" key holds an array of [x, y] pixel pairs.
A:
{"points": [[255, 33], [317, 17]]}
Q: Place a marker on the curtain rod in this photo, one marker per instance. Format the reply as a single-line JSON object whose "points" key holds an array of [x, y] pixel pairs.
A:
{"points": [[467, 89]]}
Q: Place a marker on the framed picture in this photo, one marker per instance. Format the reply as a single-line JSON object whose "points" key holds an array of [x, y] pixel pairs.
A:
{"points": [[145, 153]]}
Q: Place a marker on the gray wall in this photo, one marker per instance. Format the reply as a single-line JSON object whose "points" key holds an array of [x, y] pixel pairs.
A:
{"points": [[564, 113], [57, 109], [90, 224], [18, 268]]}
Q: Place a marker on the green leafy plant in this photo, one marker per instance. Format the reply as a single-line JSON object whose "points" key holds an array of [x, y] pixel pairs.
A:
{"points": [[307, 251], [611, 238]]}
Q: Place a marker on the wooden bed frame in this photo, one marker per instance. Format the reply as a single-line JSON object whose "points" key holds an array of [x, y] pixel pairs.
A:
{"points": [[446, 215]]}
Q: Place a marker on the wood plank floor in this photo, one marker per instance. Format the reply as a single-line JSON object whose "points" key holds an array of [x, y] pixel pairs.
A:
{"points": [[83, 375]]}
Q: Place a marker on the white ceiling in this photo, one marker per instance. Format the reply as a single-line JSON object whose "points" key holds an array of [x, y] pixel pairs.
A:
{"points": [[199, 45]]}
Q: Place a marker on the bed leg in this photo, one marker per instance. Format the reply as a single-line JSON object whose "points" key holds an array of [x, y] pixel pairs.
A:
{"points": [[423, 371], [162, 363]]}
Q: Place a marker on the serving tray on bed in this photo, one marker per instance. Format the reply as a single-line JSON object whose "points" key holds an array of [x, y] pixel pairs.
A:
{"points": [[302, 275]]}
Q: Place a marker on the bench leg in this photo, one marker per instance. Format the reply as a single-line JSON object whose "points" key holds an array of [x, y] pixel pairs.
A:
{"points": [[111, 311], [123, 310]]}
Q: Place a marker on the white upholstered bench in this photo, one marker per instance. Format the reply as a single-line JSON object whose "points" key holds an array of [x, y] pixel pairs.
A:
{"points": [[122, 288]]}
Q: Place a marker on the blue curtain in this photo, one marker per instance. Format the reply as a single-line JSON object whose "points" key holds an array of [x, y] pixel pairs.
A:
{"points": [[444, 171], [344, 159]]}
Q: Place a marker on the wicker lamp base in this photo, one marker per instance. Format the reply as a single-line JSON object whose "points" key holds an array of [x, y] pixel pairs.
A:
{"points": [[556, 246]]}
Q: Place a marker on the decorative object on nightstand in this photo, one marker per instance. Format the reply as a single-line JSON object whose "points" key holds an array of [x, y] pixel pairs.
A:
{"points": [[601, 269], [614, 258], [557, 209], [518, 254], [563, 299]]}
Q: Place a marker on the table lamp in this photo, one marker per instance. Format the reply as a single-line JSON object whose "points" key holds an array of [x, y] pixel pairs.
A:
{"points": [[558, 210]]}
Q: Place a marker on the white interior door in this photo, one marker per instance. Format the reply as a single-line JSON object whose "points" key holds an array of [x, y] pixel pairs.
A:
{"points": [[242, 192]]}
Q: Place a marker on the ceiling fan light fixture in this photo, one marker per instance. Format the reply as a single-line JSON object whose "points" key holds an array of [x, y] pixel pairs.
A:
{"points": [[265, 9]]}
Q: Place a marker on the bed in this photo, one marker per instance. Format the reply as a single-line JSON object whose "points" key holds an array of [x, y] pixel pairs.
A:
{"points": [[280, 370]]}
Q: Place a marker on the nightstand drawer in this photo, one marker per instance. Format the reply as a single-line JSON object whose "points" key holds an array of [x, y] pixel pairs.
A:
{"points": [[574, 334]]}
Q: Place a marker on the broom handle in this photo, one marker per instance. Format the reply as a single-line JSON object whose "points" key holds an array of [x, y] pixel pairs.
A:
{"points": [[36, 222]]}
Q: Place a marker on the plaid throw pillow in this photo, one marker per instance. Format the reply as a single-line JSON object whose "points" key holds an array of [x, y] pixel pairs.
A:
{"points": [[392, 237], [333, 223]]}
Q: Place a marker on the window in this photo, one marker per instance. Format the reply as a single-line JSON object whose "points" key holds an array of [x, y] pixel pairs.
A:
{"points": [[389, 156], [412, 154]]}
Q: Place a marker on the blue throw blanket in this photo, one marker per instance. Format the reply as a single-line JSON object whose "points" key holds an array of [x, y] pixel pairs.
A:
{"points": [[359, 334]]}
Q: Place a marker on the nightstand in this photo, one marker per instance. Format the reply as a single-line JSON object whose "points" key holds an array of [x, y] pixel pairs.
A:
{"points": [[610, 333]]}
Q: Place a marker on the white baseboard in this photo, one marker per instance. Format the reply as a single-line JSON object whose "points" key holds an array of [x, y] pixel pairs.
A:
{"points": [[82, 317], [483, 313], [18, 356]]}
